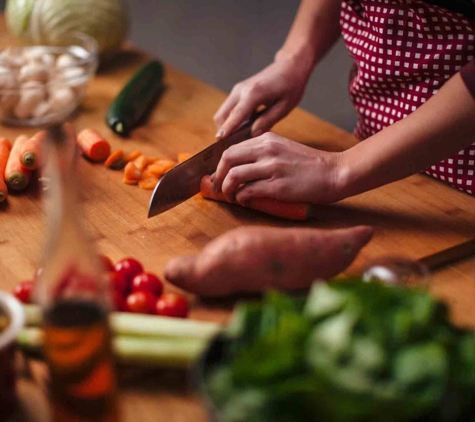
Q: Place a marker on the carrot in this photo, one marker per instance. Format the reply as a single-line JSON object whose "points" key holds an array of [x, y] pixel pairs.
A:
{"points": [[132, 156], [93, 145], [16, 176], [5, 148], [183, 156], [148, 183], [256, 258], [142, 162], [32, 151], [115, 161], [297, 211], [160, 167], [132, 174]]}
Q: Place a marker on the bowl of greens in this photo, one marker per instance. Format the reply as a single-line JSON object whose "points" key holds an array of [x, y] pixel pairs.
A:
{"points": [[350, 352]]}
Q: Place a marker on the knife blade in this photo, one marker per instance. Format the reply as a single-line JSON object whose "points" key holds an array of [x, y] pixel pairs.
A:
{"points": [[183, 181], [449, 256]]}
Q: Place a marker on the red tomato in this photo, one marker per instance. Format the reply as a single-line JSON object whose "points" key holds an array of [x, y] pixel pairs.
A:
{"points": [[118, 282], [141, 302], [23, 291], [106, 263], [118, 301], [172, 305], [149, 282], [129, 267]]}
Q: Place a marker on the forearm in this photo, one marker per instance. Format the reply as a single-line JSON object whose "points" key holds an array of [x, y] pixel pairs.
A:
{"points": [[438, 129], [315, 29]]}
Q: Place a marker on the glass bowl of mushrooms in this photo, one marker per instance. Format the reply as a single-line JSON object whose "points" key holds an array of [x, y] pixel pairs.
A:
{"points": [[41, 85]]}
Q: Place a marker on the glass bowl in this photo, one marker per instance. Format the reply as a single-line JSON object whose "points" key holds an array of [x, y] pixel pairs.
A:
{"points": [[44, 84]]}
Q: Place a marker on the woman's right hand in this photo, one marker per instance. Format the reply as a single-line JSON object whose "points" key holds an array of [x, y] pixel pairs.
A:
{"points": [[279, 87]]}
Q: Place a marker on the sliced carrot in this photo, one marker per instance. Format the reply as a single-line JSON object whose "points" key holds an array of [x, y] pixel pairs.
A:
{"points": [[147, 175], [5, 148], [16, 176], [115, 160], [93, 145], [132, 156], [160, 167], [142, 162], [297, 211], [132, 174], [32, 151], [183, 156], [149, 183]]}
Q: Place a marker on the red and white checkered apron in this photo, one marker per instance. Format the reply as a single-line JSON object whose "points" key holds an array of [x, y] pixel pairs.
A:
{"points": [[404, 51]]}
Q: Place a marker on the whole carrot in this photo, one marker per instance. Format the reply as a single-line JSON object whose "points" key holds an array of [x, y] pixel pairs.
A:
{"points": [[5, 147], [32, 151], [298, 211], [16, 176], [93, 145]]}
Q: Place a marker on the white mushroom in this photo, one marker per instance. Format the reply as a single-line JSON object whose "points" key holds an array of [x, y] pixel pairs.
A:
{"points": [[32, 94], [33, 72], [66, 60], [42, 109], [62, 99], [9, 95]]}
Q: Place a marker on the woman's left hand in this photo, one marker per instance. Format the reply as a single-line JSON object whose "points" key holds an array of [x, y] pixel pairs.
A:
{"points": [[271, 166]]}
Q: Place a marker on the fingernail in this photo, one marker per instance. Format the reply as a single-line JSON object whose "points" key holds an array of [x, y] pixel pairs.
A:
{"points": [[220, 133]]}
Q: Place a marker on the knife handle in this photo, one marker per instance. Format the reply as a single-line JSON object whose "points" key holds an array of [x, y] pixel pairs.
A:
{"points": [[449, 256]]}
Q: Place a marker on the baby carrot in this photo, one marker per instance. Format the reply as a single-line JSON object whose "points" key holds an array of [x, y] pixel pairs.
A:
{"points": [[32, 151], [115, 160], [297, 211], [5, 147], [132, 156], [16, 176], [93, 145]]}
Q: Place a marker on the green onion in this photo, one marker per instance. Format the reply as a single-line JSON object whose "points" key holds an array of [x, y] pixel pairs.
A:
{"points": [[154, 351]]}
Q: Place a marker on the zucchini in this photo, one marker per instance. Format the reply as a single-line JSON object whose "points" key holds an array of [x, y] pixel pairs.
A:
{"points": [[136, 99]]}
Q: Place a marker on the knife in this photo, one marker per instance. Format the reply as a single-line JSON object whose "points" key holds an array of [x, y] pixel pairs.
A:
{"points": [[449, 256], [183, 181]]}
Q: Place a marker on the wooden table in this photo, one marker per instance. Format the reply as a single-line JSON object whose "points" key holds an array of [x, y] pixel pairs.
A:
{"points": [[414, 217]]}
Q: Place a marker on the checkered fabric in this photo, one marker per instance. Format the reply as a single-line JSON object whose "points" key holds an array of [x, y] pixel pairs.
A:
{"points": [[404, 51]]}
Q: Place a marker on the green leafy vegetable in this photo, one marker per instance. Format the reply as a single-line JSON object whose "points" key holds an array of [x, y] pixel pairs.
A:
{"points": [[353, 352]]}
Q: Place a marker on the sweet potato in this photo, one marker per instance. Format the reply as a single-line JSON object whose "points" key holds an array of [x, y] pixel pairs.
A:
{"points": [[260, 258]]}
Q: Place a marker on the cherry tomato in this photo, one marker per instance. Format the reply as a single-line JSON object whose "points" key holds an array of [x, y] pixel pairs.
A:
{"points": [[172, 305], [118, 301], [142, 302], [106, 263], [129, 267], [149, 282], [118, 282], [23, 291]]}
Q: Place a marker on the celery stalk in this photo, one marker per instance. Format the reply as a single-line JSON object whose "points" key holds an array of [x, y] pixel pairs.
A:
{"points": [[156, 352], [127, 324]]}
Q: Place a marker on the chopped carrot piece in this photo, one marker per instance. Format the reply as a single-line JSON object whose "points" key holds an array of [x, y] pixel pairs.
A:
{"points": [[142, 162], [183, 156], [147, 175], [115, 160], [132, 156], [93, 145], [149, 183], [160, 167], [132, 174]]}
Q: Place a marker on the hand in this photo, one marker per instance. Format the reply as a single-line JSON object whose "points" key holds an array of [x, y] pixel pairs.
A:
{"points": [[279, 87], [261, 258], [271, 166]]}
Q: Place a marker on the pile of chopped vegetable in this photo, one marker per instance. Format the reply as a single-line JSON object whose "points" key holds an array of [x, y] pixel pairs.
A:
{"points": [[352, 352]]}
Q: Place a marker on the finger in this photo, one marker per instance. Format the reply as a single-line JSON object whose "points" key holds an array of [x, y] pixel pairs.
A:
{"points": [[239, 175], [264, 188], [272, 115], [239, 114], [223, 112], [236, 155]]}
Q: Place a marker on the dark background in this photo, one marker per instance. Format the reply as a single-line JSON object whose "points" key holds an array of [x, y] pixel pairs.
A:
{"points": [[224, 41]]}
